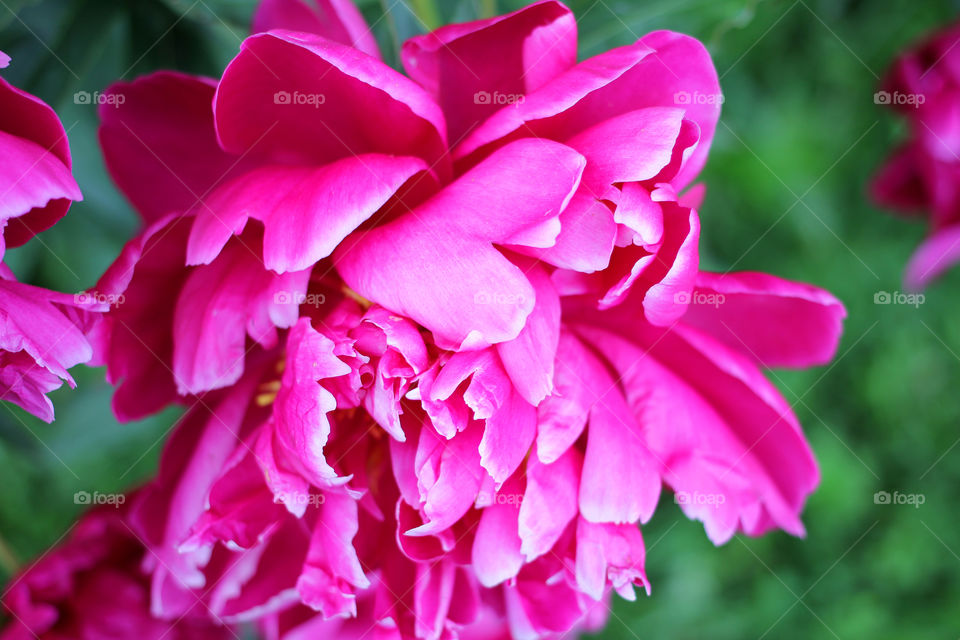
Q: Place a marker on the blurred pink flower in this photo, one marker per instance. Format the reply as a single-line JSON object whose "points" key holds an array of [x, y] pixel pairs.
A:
{"points": [[922, 177]]}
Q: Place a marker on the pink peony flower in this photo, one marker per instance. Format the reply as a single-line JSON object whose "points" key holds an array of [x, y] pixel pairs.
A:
{"points": [[41, 332], [921, 177], [443, 339]]}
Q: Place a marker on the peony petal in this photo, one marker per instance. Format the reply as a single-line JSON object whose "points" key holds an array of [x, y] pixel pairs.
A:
{"points": [[662, 69], [496, 548], [31, 178], [475, 68], [752, 312], [415, 265], [306, 211], [296, 97], [938, 253], [35, 182], [621, 477], [337, 20], [160, 145], [528, 359], [219, 305], [610, 551], [549, 502]]}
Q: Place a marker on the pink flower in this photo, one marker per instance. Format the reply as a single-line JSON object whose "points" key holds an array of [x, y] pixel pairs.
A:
{"points": [[921, 177], [443, 340], [91, 587], [41, 332]]}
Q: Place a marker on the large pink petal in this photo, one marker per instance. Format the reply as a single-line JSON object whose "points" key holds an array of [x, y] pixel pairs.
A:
{"points": [[28, 118], [160, 145], [38, 343], [720, 429], [306, 211], [473, 69], [337, 20], [31, 178], [778, 322], [549, 502], [661, 70], [332, 561], [300, 427], [562, 416], [438, 266], [496, 548], [449, 475], [219, 305], [135, 340], [632, 147], [298, 97], [610, 552], [621, 477], [529, 357]]}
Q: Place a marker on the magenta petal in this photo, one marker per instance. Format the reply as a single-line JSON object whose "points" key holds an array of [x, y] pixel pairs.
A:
{"points": [[632, 147], [337, 20], [496, 548], [437, 265], [549, 502], [38, 343], [449, 476], [508, 434], [300, 424], [291, 96], [332, 559], [668, 276], [529, 358], [752, 312], [563, 415], [31, 177], [219, 305], [306, 211], [663, 69], [587, 236], [937, 254], [4, 60], [159, 143], [610, 552], [724, 434], [621, 475], [29, 119], [476, 68]]}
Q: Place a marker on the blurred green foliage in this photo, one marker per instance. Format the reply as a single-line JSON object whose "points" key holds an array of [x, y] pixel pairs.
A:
{"points": [[799, 137]]}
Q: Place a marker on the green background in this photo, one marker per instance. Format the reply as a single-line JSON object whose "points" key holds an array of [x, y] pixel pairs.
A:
{"points": [[798, 139]]}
